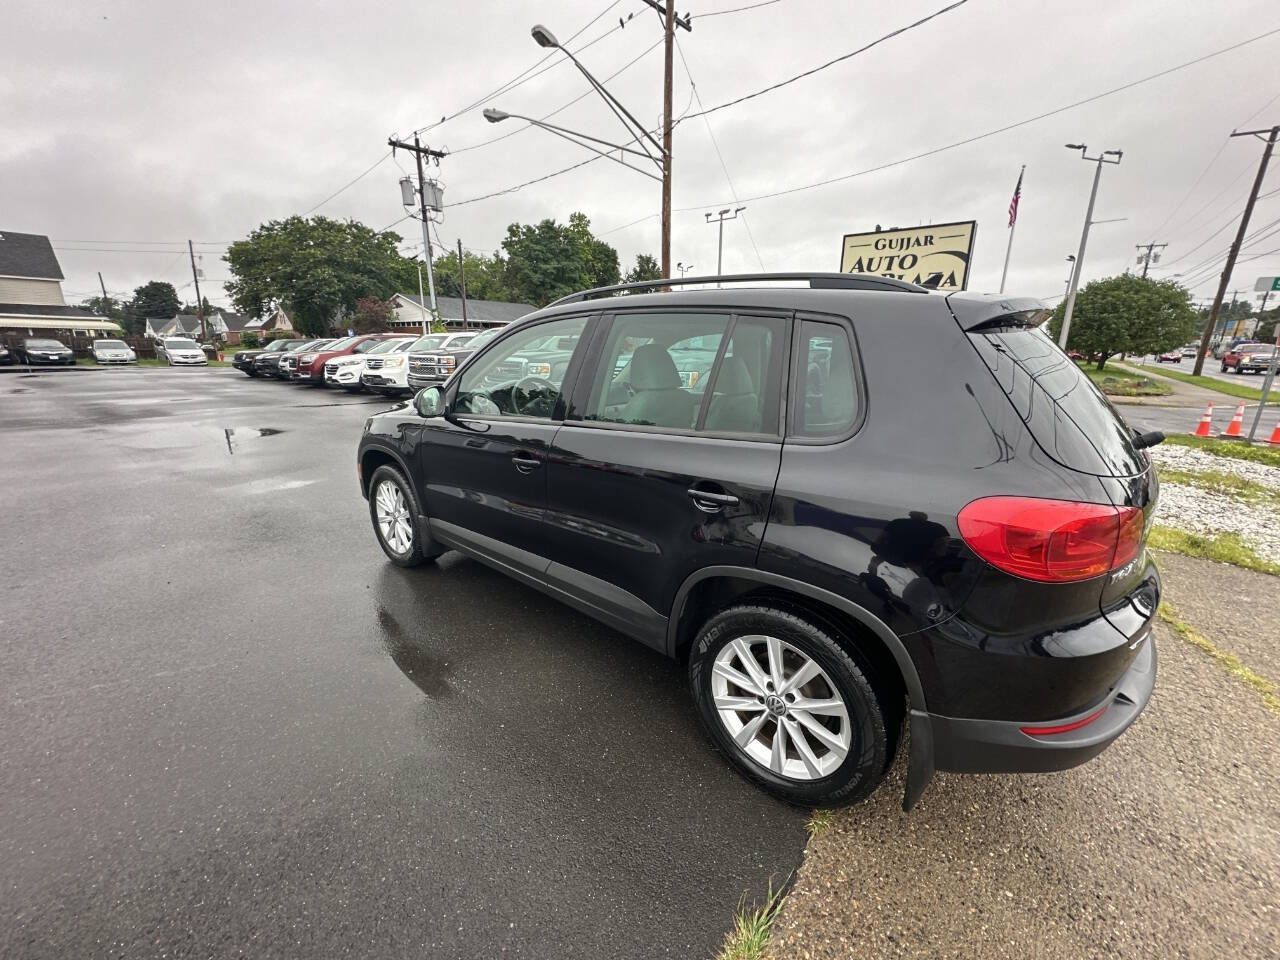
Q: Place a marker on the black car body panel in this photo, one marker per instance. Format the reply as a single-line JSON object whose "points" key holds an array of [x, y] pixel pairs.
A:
{"points": [[865, 522], [43, 352]]}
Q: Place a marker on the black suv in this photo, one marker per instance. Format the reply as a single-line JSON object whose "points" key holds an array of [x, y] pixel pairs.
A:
{"points": [[837, 535]]}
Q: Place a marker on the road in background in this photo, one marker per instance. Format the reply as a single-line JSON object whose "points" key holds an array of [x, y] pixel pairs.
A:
{"points": [[233, 728]]}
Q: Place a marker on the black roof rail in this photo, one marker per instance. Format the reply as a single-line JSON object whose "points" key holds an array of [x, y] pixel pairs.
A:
{"points": [[817, 281]]}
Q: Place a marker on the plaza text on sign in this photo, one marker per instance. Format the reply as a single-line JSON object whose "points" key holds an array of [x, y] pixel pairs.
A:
{"points": [[936, 256]]}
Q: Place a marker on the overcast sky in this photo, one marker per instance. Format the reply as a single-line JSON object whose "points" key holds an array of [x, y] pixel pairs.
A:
{"points": [[153, 122]]}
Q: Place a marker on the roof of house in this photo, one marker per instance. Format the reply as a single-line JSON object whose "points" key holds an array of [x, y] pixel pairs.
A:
{"points": [[28, 255], [44, 317], [47, 310], [234, 321], [478, 311]]}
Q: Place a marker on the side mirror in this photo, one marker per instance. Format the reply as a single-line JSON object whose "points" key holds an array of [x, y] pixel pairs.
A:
{"points": [[429, 402]]}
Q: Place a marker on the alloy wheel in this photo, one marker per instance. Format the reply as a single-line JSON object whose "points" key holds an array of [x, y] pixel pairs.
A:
{"points": [[394, 522], [780, 707]]}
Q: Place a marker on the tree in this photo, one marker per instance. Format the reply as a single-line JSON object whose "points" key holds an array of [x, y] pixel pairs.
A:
{"points": [[155, 300], [318, 268], [646, 268], [372, 315], [484, 276], [1267, 321], [547, 260], [1128, 314]]}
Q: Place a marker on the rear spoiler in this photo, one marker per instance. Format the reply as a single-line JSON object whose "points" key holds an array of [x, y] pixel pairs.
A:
{"points": [[978, 311]]}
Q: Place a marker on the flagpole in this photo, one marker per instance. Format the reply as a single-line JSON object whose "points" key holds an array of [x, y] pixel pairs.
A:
{"points": [[1013, 226]]}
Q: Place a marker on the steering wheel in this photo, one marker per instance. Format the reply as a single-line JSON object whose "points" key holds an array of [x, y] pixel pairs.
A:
{"points": [[526, 388]]}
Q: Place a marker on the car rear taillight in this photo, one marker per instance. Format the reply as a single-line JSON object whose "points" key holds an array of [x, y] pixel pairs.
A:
{"points": [[1053, 541]]}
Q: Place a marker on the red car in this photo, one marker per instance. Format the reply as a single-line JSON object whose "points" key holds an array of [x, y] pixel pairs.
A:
{"points": [[311, 365], [1169, 356], [1242, 357]]}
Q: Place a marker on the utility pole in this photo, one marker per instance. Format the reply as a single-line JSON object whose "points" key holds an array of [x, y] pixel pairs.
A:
{"points": [[1084, 234], [106, 304], [1148, 258], [669, 23], [720, 219], [1274, 133], [419, 151], [195, 275], [668, 45], [462, 282]]}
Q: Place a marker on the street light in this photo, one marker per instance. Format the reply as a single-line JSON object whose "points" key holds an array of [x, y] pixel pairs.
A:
{"points": [[640, 135], [1071, 259], [721, 217], [1074, 285], [497, 116], [683, 269]]}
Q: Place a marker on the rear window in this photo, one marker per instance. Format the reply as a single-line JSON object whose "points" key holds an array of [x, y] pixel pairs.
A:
{"points": [[1066, 413]]}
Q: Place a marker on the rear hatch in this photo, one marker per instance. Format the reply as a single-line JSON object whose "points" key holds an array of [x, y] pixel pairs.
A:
{"points": [[1074, 424]]}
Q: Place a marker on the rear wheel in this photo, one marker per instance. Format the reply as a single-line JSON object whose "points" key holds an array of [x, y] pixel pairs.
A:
{"points": [[789, 706]]}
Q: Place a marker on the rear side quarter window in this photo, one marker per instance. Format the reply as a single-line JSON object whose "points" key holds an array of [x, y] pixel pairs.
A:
{"points": [[826, 401]]}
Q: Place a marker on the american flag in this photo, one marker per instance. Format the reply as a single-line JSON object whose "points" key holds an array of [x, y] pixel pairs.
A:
{"points": [[1013, 204]]}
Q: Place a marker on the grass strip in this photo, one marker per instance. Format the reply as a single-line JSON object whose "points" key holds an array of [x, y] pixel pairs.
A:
{"points": [[1220, 547], [1240, 390], [1231, 449], [749, 938], [1122, 385], [1224, 483], [1228, 661]]}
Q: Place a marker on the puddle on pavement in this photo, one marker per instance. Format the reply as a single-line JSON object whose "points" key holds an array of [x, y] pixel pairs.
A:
{"points": [[429, 673], [234, 435]]}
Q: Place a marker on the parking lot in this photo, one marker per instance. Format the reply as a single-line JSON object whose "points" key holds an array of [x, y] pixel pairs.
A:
{"points": [[232, 728]]}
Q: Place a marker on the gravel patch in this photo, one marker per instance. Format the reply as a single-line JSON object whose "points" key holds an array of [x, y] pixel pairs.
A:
{"points": [[1196, 510], [1188, 458], [1167, 845]]}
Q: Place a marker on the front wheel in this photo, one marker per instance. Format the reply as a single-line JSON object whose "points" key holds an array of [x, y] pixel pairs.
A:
{"points": [[789, 706], [394, 512]]}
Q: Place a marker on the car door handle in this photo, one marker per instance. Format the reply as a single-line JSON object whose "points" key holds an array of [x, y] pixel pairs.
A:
{"points": [[709, 502], [525, 463]]}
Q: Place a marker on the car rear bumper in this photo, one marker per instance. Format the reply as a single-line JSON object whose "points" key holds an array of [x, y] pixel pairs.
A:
{"points": [[1000, 746]]}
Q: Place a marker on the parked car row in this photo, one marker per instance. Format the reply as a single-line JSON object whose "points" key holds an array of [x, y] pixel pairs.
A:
{"points": [[381, 363], [46, 351]]}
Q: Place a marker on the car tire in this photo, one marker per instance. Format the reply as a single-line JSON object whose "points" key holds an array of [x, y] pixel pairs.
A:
{"points": [[1224, 368], [805, 778], [421, 547]]}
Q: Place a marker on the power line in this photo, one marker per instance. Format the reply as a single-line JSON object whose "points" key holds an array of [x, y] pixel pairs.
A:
{"points": [[351, 183], [919, 156], [1212, 161], [720, 156], [523, 76], [721, 13], [588, 92], [830, 63], [999, 130]]}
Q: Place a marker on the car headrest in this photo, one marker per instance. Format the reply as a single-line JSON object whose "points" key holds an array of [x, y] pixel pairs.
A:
{"points": [[653, 369], [734, 380]]}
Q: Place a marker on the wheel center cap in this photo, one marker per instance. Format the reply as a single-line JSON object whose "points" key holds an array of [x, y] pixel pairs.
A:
{"points": [[775, 705]]}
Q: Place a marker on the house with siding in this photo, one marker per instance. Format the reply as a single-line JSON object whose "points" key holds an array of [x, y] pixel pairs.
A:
{"points": [[407, 311], [31, 301]]}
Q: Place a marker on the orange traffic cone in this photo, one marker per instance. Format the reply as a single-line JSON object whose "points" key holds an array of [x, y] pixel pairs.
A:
{"points": [[1205, 427], [1237, 421], [1275, 435]]}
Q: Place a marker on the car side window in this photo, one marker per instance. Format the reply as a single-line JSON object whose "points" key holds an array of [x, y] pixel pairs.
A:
{"points": [[521, 376], [678, 371], [827, 401]]}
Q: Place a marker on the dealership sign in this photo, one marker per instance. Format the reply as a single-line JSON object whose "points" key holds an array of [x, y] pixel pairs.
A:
{"points": [[935, 256], [1267, 284]]}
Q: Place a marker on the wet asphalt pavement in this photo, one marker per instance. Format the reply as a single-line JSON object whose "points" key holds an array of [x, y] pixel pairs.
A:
{"points": [[232, 728]]}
